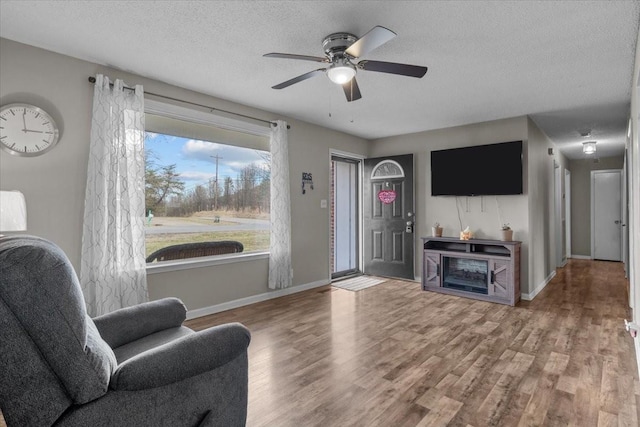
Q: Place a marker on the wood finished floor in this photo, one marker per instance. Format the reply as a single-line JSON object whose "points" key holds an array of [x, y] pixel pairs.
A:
{"points": [[394, 355]]}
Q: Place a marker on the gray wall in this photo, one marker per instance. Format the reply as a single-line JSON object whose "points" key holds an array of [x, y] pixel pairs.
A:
{"points": [[541, 215], [581, 200], [633, 224], [482, 213], [531, 215], [54, 183]]}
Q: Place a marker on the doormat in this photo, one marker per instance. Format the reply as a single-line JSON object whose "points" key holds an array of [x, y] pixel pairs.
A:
{"points": [[358, 283]]}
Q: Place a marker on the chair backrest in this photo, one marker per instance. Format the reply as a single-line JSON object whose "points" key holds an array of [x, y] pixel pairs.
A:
{"points": [[51, 354], [197, 249]]}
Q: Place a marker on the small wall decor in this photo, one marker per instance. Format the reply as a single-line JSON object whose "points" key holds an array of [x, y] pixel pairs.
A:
{"points": [[27, 130], [307, 180], [386, 196]]}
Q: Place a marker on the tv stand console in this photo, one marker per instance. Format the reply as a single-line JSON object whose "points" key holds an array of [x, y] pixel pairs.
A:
{"points": [[487, 270]]}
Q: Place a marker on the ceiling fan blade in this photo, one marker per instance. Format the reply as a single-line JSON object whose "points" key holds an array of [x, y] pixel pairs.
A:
{"points": [[292, 56], [393, 68], [351, 90], [299, 78], [376, 37]]}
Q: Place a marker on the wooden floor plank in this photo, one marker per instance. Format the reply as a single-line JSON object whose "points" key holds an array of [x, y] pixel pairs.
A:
{"points": [[394, 355], [442, 413]]}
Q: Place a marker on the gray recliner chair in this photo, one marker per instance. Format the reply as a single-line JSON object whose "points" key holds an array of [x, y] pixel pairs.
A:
{"points": [[137, 366]]}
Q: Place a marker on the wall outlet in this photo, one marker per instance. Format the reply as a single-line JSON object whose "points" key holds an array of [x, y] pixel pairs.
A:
{"points": [[323, 204]]}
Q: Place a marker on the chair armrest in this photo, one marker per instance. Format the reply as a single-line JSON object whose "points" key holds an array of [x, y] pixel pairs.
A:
{"points": [[183, 358], [129, 324]]}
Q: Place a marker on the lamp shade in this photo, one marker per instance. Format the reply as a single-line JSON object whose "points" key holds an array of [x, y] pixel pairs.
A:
{"points": [[13, 211]]}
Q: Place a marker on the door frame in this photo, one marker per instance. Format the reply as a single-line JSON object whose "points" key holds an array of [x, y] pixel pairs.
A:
{"points": [[360, 159], [558, 178], [567, 211], [593, 208], [625, 215]]}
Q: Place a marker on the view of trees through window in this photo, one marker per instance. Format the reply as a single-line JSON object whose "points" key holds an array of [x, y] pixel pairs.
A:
{"points": [[200, 191]]}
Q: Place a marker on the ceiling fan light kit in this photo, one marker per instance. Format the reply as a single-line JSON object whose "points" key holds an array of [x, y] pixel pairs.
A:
{"points": [[340, 50], [341, 74]]}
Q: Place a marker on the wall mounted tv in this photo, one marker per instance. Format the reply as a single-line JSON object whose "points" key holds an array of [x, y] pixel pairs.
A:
{"points": [[479, 170]]}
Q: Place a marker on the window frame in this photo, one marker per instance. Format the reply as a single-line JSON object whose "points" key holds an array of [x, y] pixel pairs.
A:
{"points": [[209, 119]]}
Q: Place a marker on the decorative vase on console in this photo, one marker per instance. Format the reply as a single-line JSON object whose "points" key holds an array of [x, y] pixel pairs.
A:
{"points": [[436, 230], [507, 233]]}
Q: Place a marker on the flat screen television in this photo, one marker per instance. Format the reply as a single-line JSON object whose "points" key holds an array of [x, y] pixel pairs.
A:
{"points": [[479, 170]]}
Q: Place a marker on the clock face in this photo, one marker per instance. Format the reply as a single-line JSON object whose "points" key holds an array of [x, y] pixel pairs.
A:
{"points": [[26, 130]]}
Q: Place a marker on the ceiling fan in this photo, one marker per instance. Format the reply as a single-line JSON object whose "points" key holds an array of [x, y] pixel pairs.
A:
{"points": [[340, 50]]}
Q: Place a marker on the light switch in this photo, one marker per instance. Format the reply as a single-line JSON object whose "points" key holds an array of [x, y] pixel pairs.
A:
{"points": [[323, 204]]}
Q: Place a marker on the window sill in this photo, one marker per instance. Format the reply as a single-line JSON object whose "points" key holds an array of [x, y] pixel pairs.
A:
{"points": [[187, 264]]}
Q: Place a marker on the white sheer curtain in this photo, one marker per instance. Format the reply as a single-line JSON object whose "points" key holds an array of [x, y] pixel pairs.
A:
{"points": [[280, 274], [113, 268]]}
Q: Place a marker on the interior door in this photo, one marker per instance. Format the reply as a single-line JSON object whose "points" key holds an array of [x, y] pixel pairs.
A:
{"points": [[606, 221], [388, 217]]}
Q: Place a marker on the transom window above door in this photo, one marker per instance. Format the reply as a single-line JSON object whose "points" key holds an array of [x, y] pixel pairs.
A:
{"points": [[387, 169]]}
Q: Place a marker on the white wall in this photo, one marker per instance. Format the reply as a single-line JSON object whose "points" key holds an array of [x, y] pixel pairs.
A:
{"points": [[54, 183]]}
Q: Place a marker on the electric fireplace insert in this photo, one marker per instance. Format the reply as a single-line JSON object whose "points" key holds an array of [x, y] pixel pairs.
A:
{"points": [[465, 274]]}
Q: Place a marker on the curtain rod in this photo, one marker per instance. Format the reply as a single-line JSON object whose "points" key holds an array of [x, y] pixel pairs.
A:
{"points": [[93, 80]]}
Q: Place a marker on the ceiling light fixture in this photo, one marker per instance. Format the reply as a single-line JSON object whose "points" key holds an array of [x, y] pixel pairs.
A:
{"points": [[341, 74], [589, 147], [341, 71]]}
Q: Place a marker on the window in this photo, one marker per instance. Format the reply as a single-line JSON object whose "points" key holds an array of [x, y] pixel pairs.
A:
{"points": [[206, 185]]}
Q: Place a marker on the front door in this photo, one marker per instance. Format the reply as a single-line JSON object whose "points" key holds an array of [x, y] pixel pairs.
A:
{"points": [[606, 224], [388, 217]]}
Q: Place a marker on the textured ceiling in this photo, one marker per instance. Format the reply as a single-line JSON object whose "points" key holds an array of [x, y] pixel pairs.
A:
{"points": [[567, 64]]}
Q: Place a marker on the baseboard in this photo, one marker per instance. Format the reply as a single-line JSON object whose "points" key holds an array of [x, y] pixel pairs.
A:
{"points": [[580, 256], [530, 296], [205, 311]]}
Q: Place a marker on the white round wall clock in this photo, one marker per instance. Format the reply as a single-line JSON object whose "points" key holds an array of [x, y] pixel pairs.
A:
{"points": [[27, 130]]}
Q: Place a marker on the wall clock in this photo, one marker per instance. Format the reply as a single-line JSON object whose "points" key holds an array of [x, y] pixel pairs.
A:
{"points": [[27, 130]]}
